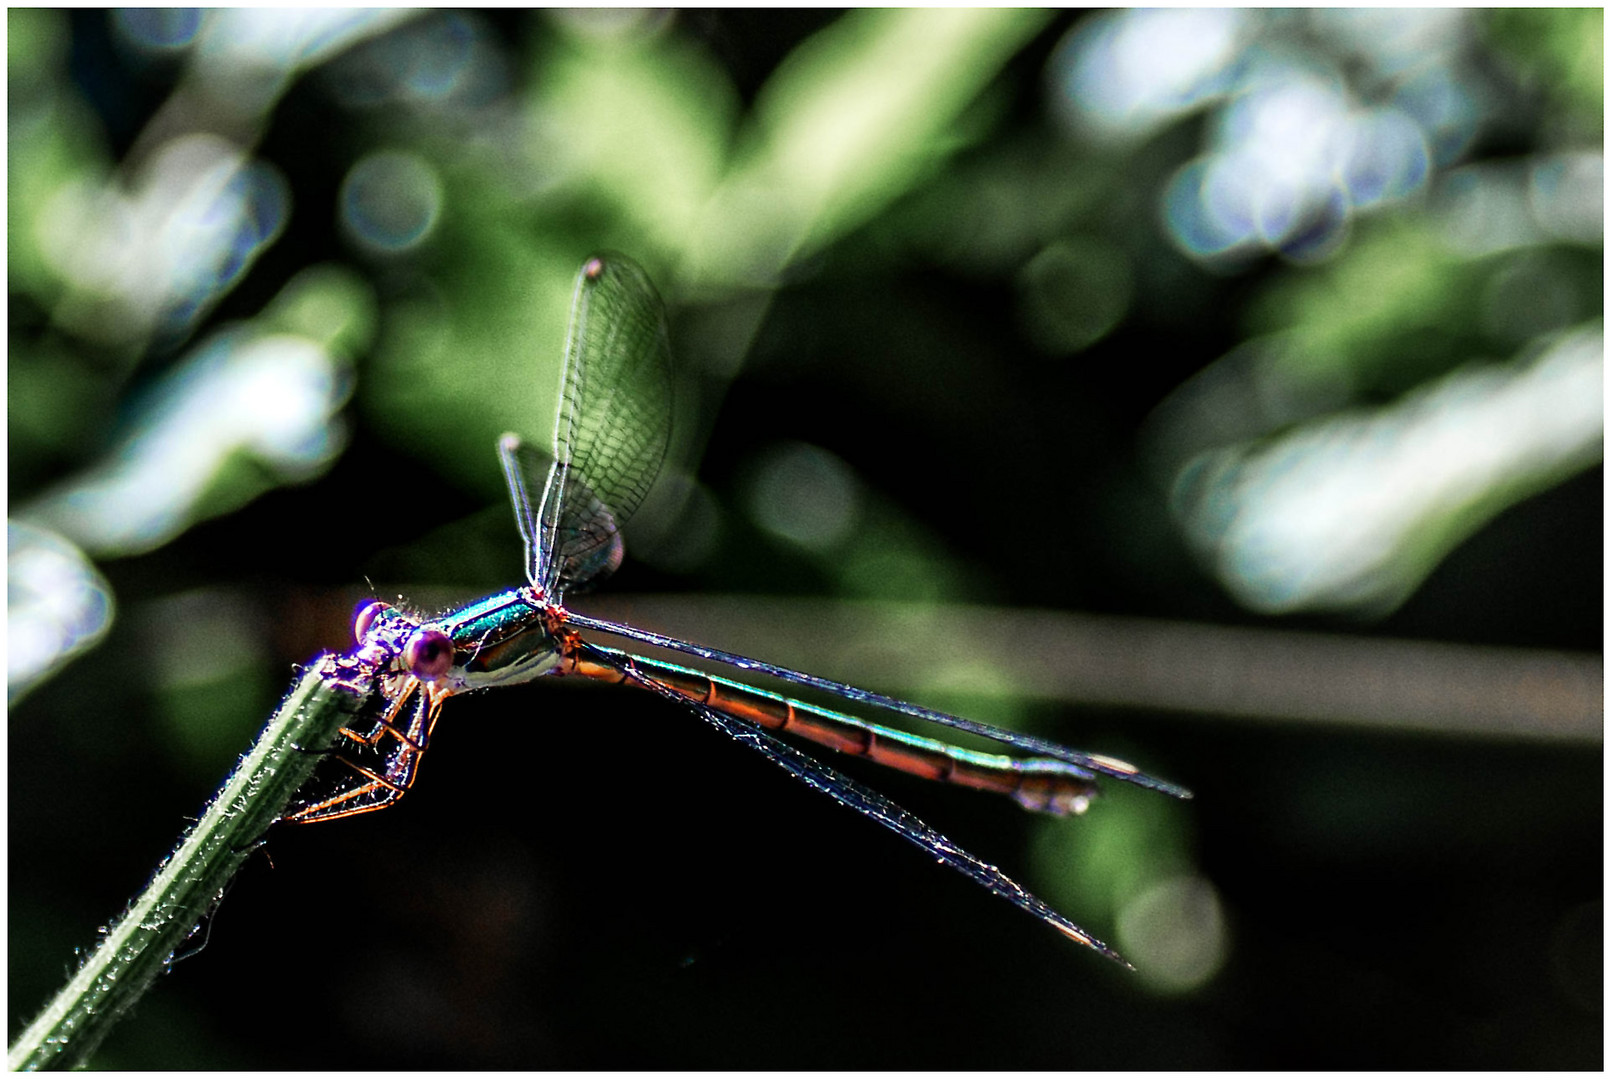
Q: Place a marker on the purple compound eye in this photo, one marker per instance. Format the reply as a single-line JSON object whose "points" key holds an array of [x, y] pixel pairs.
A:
{"points": [[428, 654], [365, 617]]}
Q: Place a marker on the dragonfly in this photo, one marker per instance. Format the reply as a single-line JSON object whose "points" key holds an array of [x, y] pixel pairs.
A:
{"points": [[610, 436]]}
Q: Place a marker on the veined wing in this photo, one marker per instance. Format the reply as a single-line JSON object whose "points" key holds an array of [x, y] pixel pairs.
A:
{"points": [[611, 433], [864, 800], [1096, 764], [586, 534]]}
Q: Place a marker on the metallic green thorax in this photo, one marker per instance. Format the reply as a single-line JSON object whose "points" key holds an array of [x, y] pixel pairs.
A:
{"points": [[497, 640]]}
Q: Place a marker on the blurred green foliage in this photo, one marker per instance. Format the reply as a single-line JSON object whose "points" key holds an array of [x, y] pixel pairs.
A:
{"points": [[1564, 50], [886, 250]]}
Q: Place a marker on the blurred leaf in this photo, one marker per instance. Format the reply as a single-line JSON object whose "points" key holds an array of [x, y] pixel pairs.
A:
{"points": [[641, 124], [52, 137], [247, 410], [853, 118], [480, 353], [1389, 312], [329, 305], [1564, 48], [1352, 511]]}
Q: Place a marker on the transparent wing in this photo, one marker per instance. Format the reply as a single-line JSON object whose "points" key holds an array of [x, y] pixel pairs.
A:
{"points": [[847, 792], [582, 545], [1094, 764], [611, 433]]}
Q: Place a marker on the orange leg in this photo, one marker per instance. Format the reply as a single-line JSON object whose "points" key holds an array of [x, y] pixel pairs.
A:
{"points": [[366, 788]]}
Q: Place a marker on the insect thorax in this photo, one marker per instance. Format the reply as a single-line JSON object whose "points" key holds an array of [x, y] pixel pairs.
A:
{"points": [[500, 640]]}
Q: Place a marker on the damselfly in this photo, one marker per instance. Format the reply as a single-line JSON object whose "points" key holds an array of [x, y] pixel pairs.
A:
{"points": [[610, 436]]}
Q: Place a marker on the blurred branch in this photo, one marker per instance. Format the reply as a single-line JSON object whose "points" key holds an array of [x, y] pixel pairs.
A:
{"points": [[190, 882], [1461, 690]]}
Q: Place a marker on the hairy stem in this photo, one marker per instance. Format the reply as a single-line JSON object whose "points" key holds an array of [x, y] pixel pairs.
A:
{"points": [[189, 882]]}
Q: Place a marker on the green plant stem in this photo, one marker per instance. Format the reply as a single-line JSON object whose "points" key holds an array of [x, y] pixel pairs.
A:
{"points": [[190, 881]]}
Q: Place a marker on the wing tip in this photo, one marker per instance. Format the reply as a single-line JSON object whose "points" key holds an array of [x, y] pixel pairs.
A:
{"points": [[1164, 787], [1076, 934]]}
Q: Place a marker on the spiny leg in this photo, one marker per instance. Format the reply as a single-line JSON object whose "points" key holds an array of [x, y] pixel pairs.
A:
{"points": [[367, 789]]}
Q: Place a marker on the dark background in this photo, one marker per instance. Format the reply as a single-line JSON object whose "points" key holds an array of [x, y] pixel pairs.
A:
{"points": [[592, 879]]}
